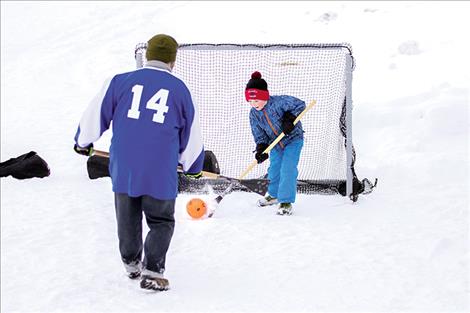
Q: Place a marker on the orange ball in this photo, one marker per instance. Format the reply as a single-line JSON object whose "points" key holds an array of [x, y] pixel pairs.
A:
{"points": [[196, 208]]}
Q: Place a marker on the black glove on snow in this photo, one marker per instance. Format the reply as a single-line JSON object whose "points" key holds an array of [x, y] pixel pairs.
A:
{"points": [[88, 150], [287, 122], [194, 175], [260, 156]]}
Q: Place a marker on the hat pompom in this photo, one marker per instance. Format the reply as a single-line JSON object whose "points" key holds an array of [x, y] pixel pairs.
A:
{"points": [[256, 75]]}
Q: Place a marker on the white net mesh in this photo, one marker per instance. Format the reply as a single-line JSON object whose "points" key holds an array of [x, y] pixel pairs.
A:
{"points": [[217, 76]]}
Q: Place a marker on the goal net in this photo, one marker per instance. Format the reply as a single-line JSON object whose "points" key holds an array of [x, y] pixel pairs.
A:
{"points": [[217, 75]]}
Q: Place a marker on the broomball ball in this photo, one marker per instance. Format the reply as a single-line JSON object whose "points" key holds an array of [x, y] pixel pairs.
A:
{"points": [[196, 208]]}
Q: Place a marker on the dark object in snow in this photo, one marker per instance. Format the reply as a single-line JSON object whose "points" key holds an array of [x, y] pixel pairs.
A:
{"points": [[25, 166], [97, 166], [364, 187]]}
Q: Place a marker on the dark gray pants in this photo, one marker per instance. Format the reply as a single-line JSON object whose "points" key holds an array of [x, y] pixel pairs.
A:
{"points": [[159, 215]]}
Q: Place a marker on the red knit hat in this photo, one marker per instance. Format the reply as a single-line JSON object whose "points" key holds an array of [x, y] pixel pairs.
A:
{"points": [[257, 88]]}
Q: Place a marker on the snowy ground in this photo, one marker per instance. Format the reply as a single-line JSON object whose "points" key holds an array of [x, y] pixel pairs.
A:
{"points": [[403, 248]]}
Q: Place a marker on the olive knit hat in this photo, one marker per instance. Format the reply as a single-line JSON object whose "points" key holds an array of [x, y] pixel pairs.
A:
{"points": [[161, 47]]}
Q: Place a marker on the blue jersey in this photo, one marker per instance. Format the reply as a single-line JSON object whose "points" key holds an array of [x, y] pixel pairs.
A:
{"points": [[155, 127]]}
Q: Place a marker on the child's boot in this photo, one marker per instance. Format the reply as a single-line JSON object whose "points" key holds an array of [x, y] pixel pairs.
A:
{"points": [[284, 209], [267, 200]]}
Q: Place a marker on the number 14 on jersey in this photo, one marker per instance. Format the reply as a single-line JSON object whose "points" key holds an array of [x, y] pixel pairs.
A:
{"points": [[157, 102]]}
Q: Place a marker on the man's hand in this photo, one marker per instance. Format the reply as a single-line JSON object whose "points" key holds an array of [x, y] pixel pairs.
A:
{"points": [[88, 150], [287, 122], [194, 175], [260, 156]]}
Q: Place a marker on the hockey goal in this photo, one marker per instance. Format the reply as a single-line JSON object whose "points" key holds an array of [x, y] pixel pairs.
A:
{"points": [[217, 75]]}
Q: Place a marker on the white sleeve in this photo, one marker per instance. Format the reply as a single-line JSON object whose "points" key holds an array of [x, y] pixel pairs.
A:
{"points": [[90, 123], [195, 143]]}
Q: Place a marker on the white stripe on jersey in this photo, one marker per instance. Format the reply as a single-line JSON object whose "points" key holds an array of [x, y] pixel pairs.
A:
{"points": [[90, 123], [195, 143]]}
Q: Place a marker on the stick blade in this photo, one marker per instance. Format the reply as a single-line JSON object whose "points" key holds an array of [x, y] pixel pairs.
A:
{"points": [[260, 186], [98, 166]]}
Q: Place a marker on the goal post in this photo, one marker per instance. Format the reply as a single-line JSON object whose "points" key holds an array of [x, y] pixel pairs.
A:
{"points": [[349, 146], [217, 74]]}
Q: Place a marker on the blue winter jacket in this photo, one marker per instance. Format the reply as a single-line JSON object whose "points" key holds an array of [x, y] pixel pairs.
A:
{"points": [[266, 124]]}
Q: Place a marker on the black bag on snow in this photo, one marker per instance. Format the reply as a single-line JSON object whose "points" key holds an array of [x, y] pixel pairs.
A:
{"points": [[25, 166]]}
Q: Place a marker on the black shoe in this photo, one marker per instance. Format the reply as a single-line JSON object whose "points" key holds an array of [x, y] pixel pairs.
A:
{"points": [[133, 268], [133, 275], [154, 283]]}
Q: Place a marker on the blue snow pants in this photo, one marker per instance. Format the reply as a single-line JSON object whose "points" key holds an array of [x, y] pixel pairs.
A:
{"points": [[159, 215], [283, 172]]}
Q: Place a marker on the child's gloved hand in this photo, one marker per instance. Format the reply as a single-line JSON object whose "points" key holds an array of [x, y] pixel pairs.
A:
{"points": [[260, 156], [287, 122]]}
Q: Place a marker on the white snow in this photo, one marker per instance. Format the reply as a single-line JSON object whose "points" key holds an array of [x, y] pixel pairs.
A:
{"points": [[403, 248]]}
